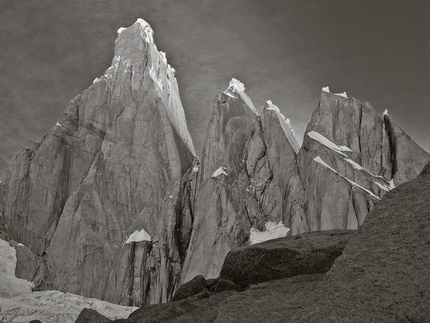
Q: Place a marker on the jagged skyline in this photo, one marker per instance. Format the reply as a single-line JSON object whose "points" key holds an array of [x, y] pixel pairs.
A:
{"points": [[283, 52]]}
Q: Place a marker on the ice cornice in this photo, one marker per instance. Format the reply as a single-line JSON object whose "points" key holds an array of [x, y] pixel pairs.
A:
{"points": [[285, 125], [236, 87], [146, 31], [327, 90]]}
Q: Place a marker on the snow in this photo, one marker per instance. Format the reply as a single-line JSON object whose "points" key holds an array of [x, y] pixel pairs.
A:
{"points": [[236, 86], [273, 230], [120, 30], [361, 187], [218, 172], [385, 112], [285, 125], [137, 236], [58, 124], [343, 94], [323, 163], [10, 286], [329, 144], [19, 304], [195, 168], [53, 306], [146, 33], [354, 164], [327, 89], [96, 80]]}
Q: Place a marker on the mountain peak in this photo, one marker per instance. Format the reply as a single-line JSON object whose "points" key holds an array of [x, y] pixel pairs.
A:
{"points": [[235, 88]]}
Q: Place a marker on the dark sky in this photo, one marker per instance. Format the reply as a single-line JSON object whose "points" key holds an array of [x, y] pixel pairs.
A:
{"points": [[285, 51]]}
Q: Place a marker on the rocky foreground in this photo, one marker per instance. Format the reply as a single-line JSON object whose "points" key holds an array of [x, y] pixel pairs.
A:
{"points": [[381, 274]]}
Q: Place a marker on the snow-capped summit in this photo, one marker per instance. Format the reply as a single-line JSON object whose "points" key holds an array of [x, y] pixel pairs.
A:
{"points": [[327, 90], [236, 87]]}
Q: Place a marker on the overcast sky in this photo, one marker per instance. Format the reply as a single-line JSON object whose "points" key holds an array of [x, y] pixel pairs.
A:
{"points": [[285, 51]]}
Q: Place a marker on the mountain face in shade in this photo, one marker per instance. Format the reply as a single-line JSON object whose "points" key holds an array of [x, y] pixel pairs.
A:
{"points": [[111, 166], [115, 205]]}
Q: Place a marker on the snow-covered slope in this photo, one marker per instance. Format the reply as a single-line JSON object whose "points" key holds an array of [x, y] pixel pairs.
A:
{"points": [[19, 304]]}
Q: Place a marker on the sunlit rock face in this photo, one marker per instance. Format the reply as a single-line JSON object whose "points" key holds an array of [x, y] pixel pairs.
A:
{"points": [[113, 164], [350, 158], [248, 177], [114, 204], [254, 173]]}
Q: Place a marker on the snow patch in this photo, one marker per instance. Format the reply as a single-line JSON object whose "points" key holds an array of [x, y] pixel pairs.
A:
{"points": [[328, 143], [354, 164], [120, 30], [96, 80], [58, 124], [218, 172], [10, 286], [385, 112], [323, 163], [343, 94], [146, 31], [137, 236], [285, 125], [236, 86], [273, 230], [53, 306], [327, 90]]}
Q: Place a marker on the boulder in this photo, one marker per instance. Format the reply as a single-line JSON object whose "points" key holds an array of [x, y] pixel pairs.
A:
{"points": [[194, 286], [89, 315], [306, 254]]}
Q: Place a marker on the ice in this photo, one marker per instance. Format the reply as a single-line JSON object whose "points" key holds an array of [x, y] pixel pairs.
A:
{"points": [[285, 125], [327, 89], [137, 236], [323, 163], [218, 172], [343, 94], [236, 86], [54, 306], [329, 144], [354, 164], [19, 304], [10, 286], [273, 230]]}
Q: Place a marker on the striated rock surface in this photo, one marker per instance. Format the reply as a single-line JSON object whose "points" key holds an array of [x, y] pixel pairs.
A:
{"points": [[350, 158], [248, 177], [112, 165], [381, 276]]}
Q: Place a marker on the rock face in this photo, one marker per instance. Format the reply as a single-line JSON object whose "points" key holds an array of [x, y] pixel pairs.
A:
{"points": [[381, 276], [350, 158], [248, 176], [113, 203], [113, 164], [253, 172]]}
